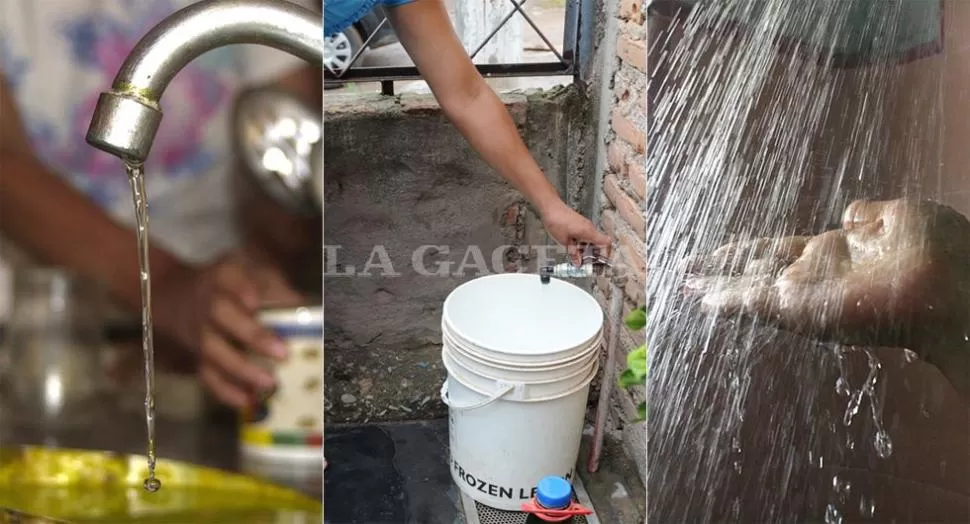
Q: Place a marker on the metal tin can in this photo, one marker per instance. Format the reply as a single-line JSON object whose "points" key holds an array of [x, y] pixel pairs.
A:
{"points": [[286, 426]]}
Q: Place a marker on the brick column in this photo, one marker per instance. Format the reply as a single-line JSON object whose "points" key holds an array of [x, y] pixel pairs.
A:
{"points": [[622, 201]]}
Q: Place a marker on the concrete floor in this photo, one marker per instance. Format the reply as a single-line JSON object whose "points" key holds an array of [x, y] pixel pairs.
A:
{"points": [[397, 473], [548, 16]]}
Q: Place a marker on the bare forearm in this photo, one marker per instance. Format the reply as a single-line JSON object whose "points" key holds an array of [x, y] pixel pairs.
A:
{"points": [[426, 32], [60, 226], [486, 124]]}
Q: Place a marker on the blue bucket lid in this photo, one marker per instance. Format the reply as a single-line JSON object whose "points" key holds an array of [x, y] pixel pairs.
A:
{"points": [[554, 492]]}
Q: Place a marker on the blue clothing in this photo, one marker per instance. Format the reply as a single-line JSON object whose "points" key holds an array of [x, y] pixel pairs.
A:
{"points": [[341, 14]]}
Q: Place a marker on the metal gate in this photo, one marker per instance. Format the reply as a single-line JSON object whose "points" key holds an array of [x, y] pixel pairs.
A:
{"points": [[572, 61]]}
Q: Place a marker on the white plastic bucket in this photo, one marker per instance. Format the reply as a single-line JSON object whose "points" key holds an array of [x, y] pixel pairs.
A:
{"points": [[520, 356]]}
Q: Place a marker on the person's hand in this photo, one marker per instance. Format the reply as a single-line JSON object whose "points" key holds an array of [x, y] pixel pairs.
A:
{"points": [[571, 229], [213, 310], [896, 274]]}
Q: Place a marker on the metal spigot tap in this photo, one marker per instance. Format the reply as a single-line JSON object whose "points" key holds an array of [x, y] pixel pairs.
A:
{"points": [[592, 263], [128, 115]]}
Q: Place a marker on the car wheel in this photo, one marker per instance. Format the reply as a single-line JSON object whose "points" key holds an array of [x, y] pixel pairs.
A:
{"points": [[339, 50]]}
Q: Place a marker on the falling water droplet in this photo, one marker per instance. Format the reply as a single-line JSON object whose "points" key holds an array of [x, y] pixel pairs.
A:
{"points": [[867, 507], [853, 408], [910, 356], [842, 387], [832, 515], [152, 484], [850, 443], [842, 488], [883, 444]]}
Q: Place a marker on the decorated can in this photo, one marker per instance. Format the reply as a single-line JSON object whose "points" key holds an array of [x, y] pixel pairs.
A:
{"points": [[285, 428]]}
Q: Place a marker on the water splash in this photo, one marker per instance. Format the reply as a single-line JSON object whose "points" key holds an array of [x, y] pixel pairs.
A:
{"points": [[833, 515], [867, 507], [739, 135]]}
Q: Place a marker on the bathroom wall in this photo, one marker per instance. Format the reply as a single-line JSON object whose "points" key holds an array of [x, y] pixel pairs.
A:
{"points": [[933, 95], [411, 212], [921, 134]]}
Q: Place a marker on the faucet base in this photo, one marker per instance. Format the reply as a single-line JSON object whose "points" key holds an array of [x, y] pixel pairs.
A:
{"points": [[124, 127]]}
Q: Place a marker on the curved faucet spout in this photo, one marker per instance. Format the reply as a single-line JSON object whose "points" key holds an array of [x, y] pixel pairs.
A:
{"points": [[127, 116]]}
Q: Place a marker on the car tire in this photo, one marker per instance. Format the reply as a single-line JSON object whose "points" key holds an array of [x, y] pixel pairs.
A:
{"points": [[343, 48]]}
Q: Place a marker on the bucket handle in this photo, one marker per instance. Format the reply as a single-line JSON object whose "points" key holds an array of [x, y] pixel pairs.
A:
{"points": [[504, 389]]}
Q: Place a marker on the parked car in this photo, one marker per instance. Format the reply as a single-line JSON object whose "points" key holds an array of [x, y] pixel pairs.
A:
{"points": [[340, 48]]}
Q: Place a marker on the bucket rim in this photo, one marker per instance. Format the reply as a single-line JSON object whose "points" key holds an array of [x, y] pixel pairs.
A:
{"points": [[577, 369], [587, 353], [512, 350]]}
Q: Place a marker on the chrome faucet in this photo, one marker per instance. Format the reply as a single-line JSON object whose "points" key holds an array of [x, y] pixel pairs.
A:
{"points": [[592, 263], [127, 116]]}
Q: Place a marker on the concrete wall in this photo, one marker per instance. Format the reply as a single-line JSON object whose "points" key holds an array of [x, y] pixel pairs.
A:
{"points": [[399, 177], [621, 193]]}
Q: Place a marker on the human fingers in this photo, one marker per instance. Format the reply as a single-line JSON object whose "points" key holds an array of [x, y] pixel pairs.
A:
{"points": [[590, 235], [220, 353], [234, 280], [733, 295], [823, 258], [275, 289], [861, 212], [241, 324], [756, 256], [222, 388], [572, 251]]}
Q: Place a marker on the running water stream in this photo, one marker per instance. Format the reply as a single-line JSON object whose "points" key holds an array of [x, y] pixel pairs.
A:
{"points": [[136, 176], [745, 125]]}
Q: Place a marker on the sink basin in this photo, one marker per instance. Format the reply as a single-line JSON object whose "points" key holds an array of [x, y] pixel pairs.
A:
{"points": [[79, 486]]}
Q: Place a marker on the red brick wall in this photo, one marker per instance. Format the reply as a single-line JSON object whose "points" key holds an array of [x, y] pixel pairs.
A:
{"points": [[622, 200]]}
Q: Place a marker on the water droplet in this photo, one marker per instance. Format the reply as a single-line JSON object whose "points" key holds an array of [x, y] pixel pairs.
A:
{"points": [[867, 507], [910, 356], [850, 443], [853, 408], [152, 484], [840, 486], [842, 387], [832, 515], [883, 444]]}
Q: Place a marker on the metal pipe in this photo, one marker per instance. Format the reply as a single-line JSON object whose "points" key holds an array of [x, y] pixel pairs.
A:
{"points": [[608, 383], [127, 116]]}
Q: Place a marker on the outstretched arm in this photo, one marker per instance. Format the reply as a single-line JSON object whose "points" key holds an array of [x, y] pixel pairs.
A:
{"points": [[425, 30]]}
